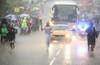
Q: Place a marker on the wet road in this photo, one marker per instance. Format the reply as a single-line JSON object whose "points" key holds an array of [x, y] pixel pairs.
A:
{"points": [[30, 50], [74, 53]]}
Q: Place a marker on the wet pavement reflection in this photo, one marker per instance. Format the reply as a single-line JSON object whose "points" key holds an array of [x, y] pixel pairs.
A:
{"points": [[74, 53]]}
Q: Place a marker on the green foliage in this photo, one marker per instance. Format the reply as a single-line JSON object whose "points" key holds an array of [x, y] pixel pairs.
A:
{"points": [[3, 7], [15, 3], [9, 5]]}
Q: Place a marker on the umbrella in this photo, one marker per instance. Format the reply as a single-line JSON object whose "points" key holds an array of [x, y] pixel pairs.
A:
{"points": [[24, 15], [11, 17]]}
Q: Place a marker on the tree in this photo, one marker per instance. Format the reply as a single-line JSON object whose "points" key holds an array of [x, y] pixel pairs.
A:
{"points": [[3, 7], [16, 3]]}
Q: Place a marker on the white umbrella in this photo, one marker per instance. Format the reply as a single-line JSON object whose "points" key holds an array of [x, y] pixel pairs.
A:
{"points": [[11, 16], [24, 15]]}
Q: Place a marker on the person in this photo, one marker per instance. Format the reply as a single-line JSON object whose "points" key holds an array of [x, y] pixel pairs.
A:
{"points": [[29, 25], [3, 32], [96, 21], [91, 37], [37, 24], [48, 32], [18, 21], [11, 35], [4, 21], [24, 25], [41, 25]]}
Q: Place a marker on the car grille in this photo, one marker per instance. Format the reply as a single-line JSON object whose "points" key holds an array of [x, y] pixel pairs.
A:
{"points": [[59, 35]]}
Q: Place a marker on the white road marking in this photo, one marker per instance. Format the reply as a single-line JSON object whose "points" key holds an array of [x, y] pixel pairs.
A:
{"points": [[52, 61], [54, 58]]}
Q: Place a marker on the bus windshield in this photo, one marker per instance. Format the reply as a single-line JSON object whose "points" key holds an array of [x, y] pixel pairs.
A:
{"points": [[65, 13]]}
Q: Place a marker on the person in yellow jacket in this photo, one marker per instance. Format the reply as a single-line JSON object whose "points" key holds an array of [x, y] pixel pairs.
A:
{"points": [[24, 24]]}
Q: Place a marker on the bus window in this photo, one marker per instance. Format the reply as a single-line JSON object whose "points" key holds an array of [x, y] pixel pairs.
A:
{"points": [[65, 13]]}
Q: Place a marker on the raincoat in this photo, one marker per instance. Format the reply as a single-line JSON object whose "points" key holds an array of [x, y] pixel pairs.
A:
{"points": [[91, 36]]}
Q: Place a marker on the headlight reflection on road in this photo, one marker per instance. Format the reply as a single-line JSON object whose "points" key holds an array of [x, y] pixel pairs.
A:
{"points": [[51, 50], [68, 51], [74, 38], [68, 54], [54, 41], [81, 51]]}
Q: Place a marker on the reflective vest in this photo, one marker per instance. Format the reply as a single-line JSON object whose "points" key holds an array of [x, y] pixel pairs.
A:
{"points": [[24, 22]]}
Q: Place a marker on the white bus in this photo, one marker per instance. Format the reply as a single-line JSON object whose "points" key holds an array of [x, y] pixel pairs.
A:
{"points": [[65, 12]]}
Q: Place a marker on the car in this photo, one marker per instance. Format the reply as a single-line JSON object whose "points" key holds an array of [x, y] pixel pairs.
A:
{"points": [[61, 32]]}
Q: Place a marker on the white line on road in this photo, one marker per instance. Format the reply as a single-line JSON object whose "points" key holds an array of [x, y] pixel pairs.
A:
{"points": [[54, 58]]}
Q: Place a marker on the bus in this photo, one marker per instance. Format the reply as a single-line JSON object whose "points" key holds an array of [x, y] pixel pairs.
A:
{"points": [[65, 12]]}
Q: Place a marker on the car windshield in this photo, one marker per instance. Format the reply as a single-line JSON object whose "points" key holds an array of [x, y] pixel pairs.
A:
{"points": [[60, 28]]}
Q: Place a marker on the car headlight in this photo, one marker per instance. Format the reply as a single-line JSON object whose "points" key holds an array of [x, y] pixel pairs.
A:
{"points": [[67, 35], [74, 26]]}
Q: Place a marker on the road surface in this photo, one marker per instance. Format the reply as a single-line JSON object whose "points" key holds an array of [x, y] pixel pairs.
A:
{"points": [[74, 53], [30, 50]]}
